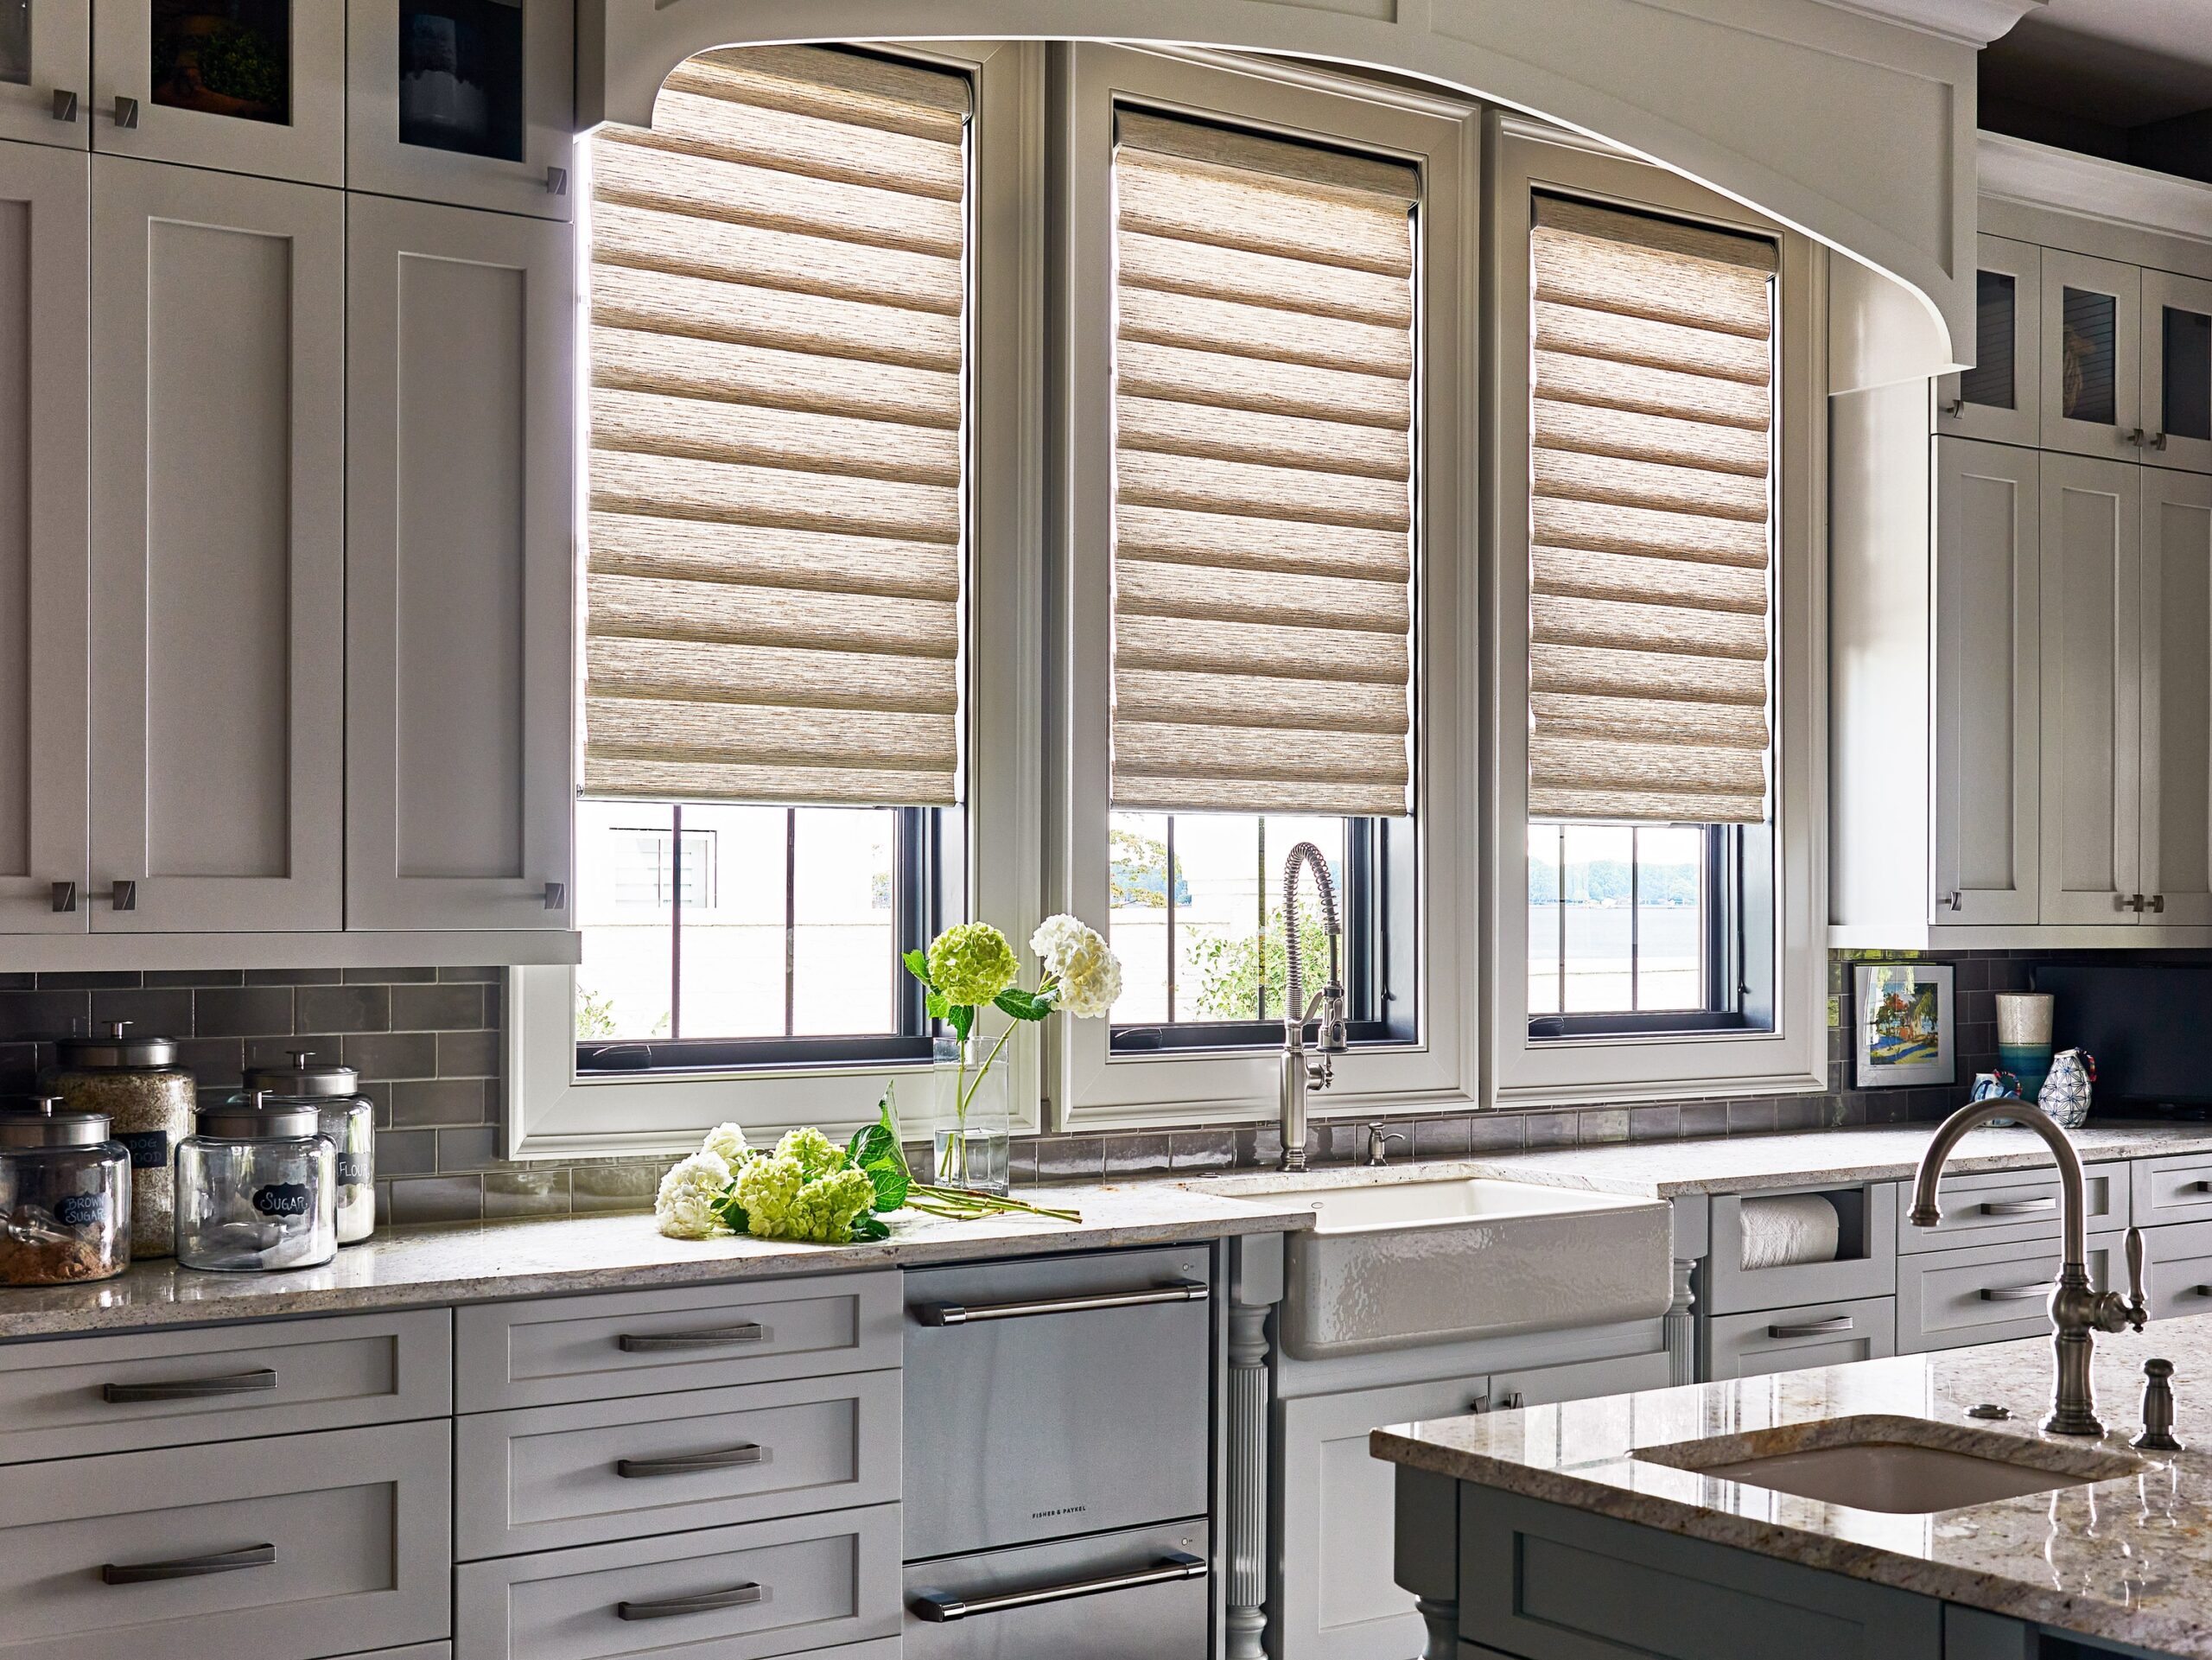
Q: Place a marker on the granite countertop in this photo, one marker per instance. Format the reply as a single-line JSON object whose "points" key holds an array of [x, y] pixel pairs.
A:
{"points": [[418, 1267], [2128, 1557]]}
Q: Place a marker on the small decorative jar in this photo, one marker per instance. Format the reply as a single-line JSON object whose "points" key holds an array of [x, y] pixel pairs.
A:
{"points": [[1996, 1086], [2065, 1094], [65, 1196], [148, 1098], [256, 1188], [974, 1118], [348, 1116]]}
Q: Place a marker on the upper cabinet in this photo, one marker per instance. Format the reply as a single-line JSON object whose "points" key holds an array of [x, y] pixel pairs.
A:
{"points": [[2092, 356], [2177, 355], [462, 101], [2000, 398], [217, 552], [46, 60], [246, 86], [2177, 723]]}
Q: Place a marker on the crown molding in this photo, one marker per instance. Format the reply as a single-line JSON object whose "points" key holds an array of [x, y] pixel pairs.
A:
{"points": [[1975, 22], [2089, 187]]}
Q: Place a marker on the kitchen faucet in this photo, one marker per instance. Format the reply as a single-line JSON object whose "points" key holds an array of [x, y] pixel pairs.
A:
{"points": [[2077, 1310], [1299, 1072]]}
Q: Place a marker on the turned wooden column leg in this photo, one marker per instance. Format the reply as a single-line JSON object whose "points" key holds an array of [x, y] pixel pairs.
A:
{"points": [[1247, 1510], [1442, 1619]]}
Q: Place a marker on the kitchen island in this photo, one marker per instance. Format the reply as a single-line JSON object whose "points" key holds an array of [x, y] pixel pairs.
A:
{"points": [[1599, 1528]]}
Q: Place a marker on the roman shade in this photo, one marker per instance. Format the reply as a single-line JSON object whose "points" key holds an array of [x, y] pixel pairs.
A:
{"points": [[1651, 517], [776, 528], [1264, 353]]}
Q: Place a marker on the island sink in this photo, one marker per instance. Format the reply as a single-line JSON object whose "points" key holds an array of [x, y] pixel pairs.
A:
{"points": [[1902, 1466]]}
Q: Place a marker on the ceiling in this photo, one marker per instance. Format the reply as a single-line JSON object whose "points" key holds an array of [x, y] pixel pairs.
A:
{"points": [[2122, 63]]}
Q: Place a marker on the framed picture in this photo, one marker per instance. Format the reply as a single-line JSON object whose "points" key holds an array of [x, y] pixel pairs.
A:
{"points": [[1906, 1027]]}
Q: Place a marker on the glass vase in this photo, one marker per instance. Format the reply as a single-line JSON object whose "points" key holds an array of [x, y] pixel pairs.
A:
{"points": [[971, 1147]]}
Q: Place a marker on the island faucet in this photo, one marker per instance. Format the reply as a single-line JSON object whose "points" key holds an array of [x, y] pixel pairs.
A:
{"points": [[2077, 1309], [1301, 1072]]}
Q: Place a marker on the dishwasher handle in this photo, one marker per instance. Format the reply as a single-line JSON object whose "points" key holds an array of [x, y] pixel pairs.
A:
{"points": [[1173, 1567], [955, 1314]]}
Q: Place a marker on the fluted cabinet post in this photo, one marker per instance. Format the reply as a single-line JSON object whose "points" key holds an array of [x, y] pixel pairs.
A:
{"points": [[1247, 1481], [1681, 1326]]}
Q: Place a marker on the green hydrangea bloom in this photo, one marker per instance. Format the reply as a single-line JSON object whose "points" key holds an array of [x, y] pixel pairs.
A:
{"points": [[816, 1154], [824, 1210], [971, 963], [782, 1202]]}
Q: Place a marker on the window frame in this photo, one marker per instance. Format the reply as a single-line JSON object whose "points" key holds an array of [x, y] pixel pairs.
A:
{"points": [[1437, 920], [990, 858], [1779, 1044]]}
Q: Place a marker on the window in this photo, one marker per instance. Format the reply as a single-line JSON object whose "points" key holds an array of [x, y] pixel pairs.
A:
{"points": [[1658, 762], [773, 705], [1265, 316]]}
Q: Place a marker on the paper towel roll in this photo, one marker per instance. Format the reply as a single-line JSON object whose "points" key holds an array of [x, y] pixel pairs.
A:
{"points": [[1784, 1231]]}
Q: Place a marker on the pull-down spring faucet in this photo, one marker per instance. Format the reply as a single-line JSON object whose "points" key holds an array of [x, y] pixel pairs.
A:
{"points": [[1301, 1071]]}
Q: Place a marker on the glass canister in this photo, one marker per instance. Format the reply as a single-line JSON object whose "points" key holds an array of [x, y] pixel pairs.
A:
{"points": [[148, 1098], [65, 1196], [348, 1117], [256, 1188]]}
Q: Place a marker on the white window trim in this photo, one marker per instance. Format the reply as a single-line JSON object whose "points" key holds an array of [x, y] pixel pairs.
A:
{"points": [[1793, 1058], [1094, 1089], [553, 1114]]}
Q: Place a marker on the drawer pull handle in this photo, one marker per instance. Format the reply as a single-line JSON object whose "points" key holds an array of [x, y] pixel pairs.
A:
{"points": [[2200, 1187], [2014, 1292], [707, 1602], [720, 1337], [189, 1567], [953, 1314], [2021, 1206], [1174, 1565], [2201, 1291], [684, 1464], [1812, 1328], [191, 1388]]}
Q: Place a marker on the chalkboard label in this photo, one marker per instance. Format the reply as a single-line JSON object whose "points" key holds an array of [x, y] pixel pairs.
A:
{"points": [[350, 1174], [283, 1198], [148, 1148], [81, 1210]]}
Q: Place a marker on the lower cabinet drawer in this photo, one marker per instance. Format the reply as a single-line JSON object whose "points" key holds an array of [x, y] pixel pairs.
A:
{"points": [[735, 1594], [548, 1477], [1139, 1593], [287, 1548], [2178, 1189], [2180, 1270], [2015, 1206], [1789, 1340], [1986, 1293]]}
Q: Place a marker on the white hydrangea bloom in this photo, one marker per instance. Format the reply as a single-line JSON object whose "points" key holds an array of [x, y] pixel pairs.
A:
{"points": [[1077, 956], [729, 1142], [684, 1206]]}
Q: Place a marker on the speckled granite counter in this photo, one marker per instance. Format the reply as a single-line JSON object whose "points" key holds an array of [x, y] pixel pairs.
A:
{"points": [[2128, 1558], [419, 1267]]}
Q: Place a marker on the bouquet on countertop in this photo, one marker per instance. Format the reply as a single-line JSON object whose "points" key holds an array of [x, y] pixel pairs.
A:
{"points": [[812, 1190]]}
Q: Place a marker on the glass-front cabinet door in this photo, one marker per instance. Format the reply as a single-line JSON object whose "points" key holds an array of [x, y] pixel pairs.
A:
{"points": [[2091, 360], [1998, 399], [463, 101], [2177, 371], [246, 86], [46, 60]]}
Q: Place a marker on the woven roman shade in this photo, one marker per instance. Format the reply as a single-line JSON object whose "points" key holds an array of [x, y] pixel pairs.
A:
{"points": [[1263, 479], [776, 523], [1651, 519]]}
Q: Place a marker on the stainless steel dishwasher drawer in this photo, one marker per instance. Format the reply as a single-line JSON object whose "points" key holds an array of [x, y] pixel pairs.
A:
{"points": [[1055, 1601], [1055, 1396]]}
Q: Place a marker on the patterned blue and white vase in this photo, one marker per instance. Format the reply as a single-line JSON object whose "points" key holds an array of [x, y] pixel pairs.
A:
{"points": [[2065, 1093], [1994, 1086]]}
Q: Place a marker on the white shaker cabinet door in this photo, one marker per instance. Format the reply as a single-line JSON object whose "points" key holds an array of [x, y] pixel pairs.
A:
{"points": [[43, 234], [2177, 371], [470, 102], [46, 61], [2177, 770], [2000, 397], [1988, 622], [218, 551], [460, 561], [2092, 356], [260, 90], [2092, 690]]}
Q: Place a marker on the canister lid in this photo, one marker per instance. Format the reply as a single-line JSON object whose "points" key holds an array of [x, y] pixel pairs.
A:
{"points": [[303, 1077], [255, 1116], [116, 1048], [42, 1120]]}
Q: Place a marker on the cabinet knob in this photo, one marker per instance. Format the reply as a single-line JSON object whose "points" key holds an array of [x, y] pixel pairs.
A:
{"points": [[2157, 441], [1954, 900], [556, 181], [2136, 435], [2134, 902], [64, 105], [124, 895], [65, 897], [556, 896], [1956, 407], [126, 111], [2158, 905]]}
